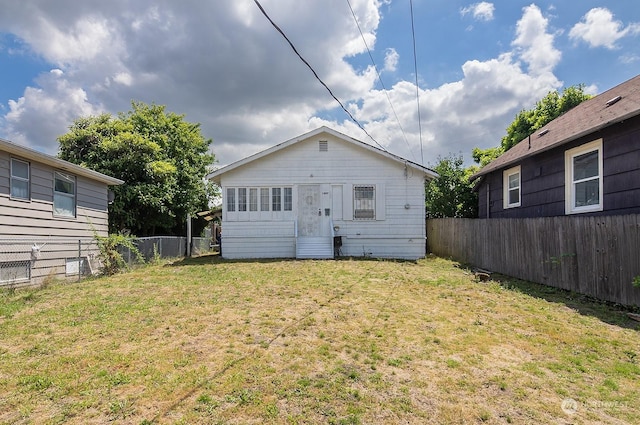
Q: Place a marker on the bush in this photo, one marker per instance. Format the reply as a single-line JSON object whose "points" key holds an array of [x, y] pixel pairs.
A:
{"points": [[111, 258]]}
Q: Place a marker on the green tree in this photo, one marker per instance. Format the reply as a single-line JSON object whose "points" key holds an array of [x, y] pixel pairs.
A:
{"points": [[527, 122], [451, 194], [161, 158]]}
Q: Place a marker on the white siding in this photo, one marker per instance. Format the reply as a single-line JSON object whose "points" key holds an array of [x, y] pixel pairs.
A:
{"points": [[397, 232]]}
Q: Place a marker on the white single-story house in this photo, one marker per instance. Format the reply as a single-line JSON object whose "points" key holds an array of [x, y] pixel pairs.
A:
{"points": [[320, 195], [49, 211]]}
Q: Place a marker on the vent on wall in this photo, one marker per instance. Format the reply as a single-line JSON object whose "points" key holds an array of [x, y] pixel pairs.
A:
{"points": [[323, 145]]}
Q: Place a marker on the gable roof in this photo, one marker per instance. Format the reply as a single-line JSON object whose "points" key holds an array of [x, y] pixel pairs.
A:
{"points": [[58, 163], [215, 176], [610, 107]]}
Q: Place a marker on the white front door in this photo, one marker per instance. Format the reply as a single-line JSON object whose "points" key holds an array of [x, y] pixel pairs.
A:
{"points": [[314, 214]]}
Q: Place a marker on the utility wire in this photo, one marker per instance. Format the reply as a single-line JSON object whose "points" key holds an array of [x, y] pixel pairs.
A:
{"points": [[415, 67], [380, 79], [315, 73]]}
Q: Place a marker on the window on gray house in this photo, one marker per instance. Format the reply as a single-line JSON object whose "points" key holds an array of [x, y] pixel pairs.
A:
{"points": [[64, 195], [19, 179]]}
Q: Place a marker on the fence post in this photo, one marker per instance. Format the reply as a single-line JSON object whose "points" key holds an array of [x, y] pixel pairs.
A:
{"points": [[79, 259]]}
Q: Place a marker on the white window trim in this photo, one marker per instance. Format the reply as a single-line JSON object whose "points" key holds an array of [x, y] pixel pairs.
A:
{"points": [[569, 194], [22, 179], [505, 186], [372, 187], [73, 196]]}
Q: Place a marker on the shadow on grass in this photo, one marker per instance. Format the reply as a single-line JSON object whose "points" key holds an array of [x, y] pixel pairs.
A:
{"points": [[215, 258], [611, 313]]}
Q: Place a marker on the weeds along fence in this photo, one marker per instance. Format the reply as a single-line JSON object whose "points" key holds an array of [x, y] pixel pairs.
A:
{"points": [[596, 256], [28, 261], [31, 261]]}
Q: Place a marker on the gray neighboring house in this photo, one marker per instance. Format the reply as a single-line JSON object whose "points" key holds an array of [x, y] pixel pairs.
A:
{"points": [[49, 210]]}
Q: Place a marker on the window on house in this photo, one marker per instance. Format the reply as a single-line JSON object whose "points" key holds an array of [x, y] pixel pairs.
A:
{"points": [[276, 199], [583, 174], [242, 199], [253, 199], [15, 271], [364, 202], [511, 186], [288, 199], [64, 195], [19, 179], [264, 199], [231, 199]]}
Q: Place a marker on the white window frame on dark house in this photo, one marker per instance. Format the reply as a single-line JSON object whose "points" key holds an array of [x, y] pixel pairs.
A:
{"points": [[20, 179], [364, 202], [584, 191], [64, 194], [511, 184]]}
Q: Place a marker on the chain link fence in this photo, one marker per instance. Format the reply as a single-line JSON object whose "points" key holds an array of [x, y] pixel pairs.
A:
{"points": [[28, 261], [31, 261]]}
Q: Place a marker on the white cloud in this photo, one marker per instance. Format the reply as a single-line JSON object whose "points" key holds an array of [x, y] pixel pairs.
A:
{"points": [[482, 11], [535, 43], [37, 117], [599, 29], [228, 69], [391, 59]]}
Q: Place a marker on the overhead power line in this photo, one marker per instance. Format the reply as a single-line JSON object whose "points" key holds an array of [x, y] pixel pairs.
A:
{"points": [[315, 74], [380, 78], [415, 68]]}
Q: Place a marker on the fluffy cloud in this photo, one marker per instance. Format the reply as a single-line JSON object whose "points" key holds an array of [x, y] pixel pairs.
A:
{"points": [[598, 28], [225, 67], [42, 112], [535, 43], [482, 11]]}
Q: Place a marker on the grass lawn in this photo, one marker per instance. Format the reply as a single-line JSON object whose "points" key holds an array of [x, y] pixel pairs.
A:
{"points": [[337, 342]]}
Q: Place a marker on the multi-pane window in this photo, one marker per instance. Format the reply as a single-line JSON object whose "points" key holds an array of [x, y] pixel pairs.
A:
{"points": [[253, 199], [264, 199], [288, 199], [242, 199], [511, 185], [364, 202], [64, 195], [584, 178], [276, 199], [231, 199], [19, 179]]}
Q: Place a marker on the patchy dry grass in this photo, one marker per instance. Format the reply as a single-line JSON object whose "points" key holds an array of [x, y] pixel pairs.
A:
{"points": [[336, 342]]}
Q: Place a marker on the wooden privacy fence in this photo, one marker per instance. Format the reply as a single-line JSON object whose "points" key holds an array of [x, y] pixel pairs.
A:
{"points": [[596, 256]]}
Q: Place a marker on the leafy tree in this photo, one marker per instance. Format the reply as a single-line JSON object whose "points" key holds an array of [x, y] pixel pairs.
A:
{"points": [[527, 122], [161, 158], [451, 194]]}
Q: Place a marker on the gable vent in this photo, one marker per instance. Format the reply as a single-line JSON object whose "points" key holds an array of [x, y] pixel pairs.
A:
{"points": [[323, 145]]}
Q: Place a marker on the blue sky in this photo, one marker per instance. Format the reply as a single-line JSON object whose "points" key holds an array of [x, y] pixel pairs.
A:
{"points": [[224, 66]]}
